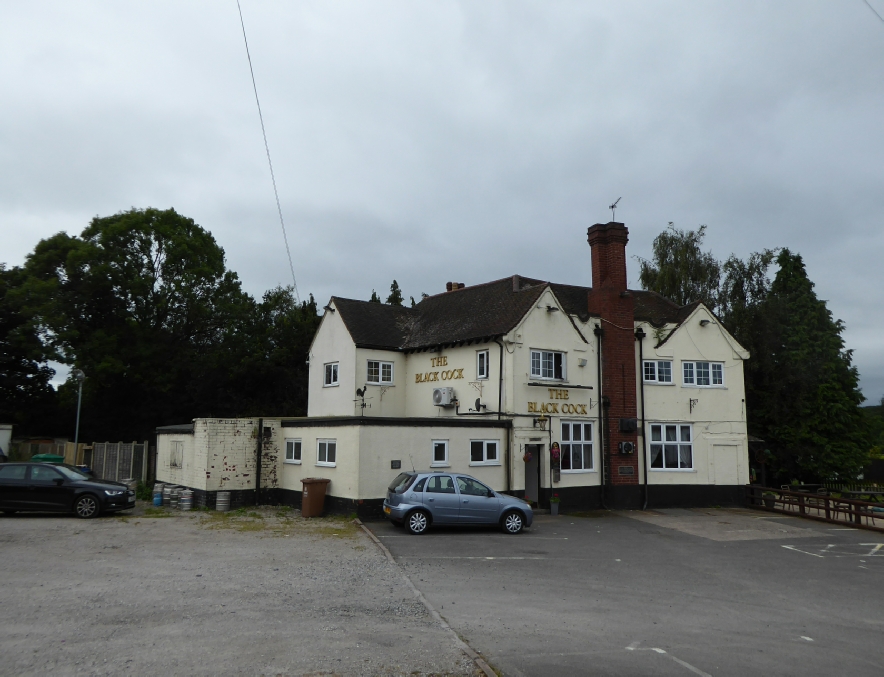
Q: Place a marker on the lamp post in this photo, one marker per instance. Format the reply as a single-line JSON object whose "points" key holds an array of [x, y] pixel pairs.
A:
{"points": [[80, 376]]}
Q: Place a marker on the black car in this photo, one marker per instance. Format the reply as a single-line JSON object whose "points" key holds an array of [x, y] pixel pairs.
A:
{"points": [[42, 487]]}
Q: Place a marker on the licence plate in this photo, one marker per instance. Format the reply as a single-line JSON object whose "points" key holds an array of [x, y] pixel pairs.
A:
{"points": [[387, 510]]}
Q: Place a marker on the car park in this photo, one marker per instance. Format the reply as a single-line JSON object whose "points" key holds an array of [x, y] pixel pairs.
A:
{"points": [[41, 487], [419, 500]]}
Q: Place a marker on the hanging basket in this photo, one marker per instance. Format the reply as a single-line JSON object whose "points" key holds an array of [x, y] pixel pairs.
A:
{"points": [[527, 457]]}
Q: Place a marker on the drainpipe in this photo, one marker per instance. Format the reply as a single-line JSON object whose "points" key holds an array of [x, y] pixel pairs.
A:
{"points": [[259, 450], [640, 335], [602, 433], [500, 382]]}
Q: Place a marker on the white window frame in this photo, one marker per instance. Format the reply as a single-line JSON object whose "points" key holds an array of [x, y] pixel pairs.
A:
{"points": [[651, 372], [482, 374], [326, 382], [297, 448], [434, 462], [323, 444], [176, 454], [691, 370], [586, 443], [538, 365], [485, 460], [684, 438], [381, 380]]}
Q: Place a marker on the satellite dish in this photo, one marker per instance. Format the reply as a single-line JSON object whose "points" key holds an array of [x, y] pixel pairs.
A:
{"points": [[478, 404]]}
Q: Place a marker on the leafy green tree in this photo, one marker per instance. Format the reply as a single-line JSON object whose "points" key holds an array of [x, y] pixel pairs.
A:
{"points": [[374, 297], [140, 301], [27, 400], [395, 297], [805, 399], [680, 270]]}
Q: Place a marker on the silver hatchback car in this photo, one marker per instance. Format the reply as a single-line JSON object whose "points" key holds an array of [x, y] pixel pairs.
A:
{"points": [[419, 499]]}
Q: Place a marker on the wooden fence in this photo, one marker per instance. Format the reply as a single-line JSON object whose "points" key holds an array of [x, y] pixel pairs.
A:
{"points": [[819, 506]]}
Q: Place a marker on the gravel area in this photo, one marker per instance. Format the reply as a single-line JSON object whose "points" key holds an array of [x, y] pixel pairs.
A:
{"points": [[258, 592]]}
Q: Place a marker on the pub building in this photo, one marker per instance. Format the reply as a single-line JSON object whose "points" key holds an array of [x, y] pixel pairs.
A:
{"points": [[602, 395]]}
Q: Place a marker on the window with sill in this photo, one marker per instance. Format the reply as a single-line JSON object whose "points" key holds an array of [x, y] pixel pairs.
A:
{"points": [[331, 374], [672, 446], [293, 451], [484, 452], [547, 364], [379, 372], [326, 452], [658, 371], [703, 374], [440, 453], [576, 446]]}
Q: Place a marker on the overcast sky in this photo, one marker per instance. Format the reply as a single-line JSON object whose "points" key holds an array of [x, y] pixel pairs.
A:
{"points": [[465, 141]]}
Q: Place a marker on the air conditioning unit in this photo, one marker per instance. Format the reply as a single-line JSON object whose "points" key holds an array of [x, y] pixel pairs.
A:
{"points": [[444, 397]]}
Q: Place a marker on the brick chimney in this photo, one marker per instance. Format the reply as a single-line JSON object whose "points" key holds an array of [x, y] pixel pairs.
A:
{"points": [[610, 299]]}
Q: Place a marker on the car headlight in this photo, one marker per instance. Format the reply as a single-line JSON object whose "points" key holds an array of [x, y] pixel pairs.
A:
{"points": [[114, 492]]}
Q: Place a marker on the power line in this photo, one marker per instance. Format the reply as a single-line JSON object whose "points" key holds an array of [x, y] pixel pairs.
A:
{"points": [[873, 9], [267, 148]]}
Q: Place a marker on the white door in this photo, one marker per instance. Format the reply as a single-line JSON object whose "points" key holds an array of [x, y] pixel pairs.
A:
{"points": [[724, 468]]}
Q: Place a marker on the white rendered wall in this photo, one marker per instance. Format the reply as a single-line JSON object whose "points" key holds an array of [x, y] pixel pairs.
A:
{"points": [[332, 343], [717, 415]]}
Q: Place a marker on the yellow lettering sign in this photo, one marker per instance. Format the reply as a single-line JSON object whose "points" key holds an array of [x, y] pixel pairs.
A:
{"points": [[557, 394], [439, 361]]}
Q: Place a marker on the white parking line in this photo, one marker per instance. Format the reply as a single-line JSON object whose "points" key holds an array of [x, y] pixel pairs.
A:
{"points": [[696, 671], [812, 554]]}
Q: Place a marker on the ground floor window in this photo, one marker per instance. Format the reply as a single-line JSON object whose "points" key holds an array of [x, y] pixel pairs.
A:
{"points": [[293, 451], [576, 446], [440, 453], [484, 452], [672, 446], [325, 452]]}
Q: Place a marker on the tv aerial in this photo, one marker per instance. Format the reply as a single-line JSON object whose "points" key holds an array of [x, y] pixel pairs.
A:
{"points": [[614, 207]]}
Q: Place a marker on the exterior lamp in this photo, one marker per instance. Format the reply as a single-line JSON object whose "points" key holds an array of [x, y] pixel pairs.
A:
{"points": [[704, 322], [80, 376], [541, 421]]}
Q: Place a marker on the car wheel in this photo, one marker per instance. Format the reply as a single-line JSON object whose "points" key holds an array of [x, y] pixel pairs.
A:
{"points": [[418, 522], [512, 522], [86, 506]]}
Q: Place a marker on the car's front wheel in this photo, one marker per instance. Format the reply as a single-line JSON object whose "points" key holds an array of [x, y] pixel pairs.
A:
{"points": [[418, 522], [86, 506], [512, 522]]}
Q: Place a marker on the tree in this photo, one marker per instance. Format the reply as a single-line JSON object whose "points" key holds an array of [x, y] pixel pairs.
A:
{"points": [[27, 399], [679, 270], [395, 297], [374, 297], [140, 302], [805, 401]]}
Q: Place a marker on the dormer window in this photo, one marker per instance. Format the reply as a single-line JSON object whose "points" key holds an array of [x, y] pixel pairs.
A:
{"points": [[547, 364]]}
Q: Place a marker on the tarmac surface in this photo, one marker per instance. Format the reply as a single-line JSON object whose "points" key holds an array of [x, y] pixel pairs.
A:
{"points": [[669, 592], [264, 592]]}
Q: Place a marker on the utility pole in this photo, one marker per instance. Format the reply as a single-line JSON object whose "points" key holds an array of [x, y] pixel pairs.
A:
{"points": [[80, 376]]}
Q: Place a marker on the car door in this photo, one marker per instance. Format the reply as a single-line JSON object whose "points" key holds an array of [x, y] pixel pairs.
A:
{"points": [[478, 503], [442, 499], [13, 486], [48, 489]]}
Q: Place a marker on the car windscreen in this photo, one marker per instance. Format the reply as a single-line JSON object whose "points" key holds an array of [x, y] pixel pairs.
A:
{"points": [[402, 482], [71, 473]]}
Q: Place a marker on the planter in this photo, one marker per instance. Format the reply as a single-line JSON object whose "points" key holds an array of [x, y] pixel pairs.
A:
{"points": [[769, 501], [553, 508]]}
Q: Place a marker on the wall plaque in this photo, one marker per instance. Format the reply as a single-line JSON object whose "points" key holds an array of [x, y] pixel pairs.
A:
{"points": [[395, 465], [626, 470]]}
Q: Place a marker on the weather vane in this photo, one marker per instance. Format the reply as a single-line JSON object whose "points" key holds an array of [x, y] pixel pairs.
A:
{"points": [[613, 207]]}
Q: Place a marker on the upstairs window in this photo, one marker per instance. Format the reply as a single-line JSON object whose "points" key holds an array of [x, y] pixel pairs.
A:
{"points": [[331, 374], [658, 371], [379, 372], [547, 364], [482, 364], [703, 374]]}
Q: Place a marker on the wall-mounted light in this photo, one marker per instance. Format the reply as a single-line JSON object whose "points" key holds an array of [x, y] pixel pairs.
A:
{"points": [[328, 308], [540, 422], [703, 323]]}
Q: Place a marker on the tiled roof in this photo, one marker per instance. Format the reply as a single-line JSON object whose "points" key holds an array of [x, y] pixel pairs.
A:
{"points": [[482, 311]]}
